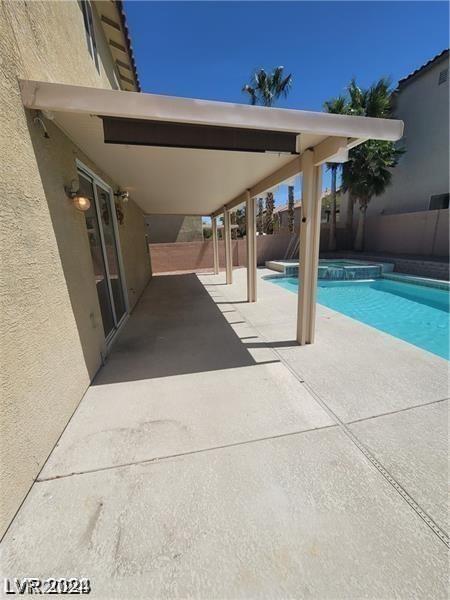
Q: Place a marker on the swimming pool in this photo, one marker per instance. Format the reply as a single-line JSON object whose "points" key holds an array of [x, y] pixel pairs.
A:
{"points": [[414, 313]]}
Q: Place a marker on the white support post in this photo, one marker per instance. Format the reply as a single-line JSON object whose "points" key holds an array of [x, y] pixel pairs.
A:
{"points": [[228, 249], [314, 256], [215, 245], [250, 217], [309, 248]]}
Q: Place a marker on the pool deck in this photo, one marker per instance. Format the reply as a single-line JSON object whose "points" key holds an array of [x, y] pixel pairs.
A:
{"points": [[215, 458]]}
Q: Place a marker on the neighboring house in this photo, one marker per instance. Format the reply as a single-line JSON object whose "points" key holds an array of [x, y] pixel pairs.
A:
{"points": [[283, 212], [69, 278], [163, 229], [421, 179]]}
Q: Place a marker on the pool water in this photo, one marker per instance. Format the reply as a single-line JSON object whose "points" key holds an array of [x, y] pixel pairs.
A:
{"points": [[414, 313]]}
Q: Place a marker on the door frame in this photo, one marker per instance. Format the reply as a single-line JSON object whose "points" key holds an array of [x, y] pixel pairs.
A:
{"points": [[97, 181]]}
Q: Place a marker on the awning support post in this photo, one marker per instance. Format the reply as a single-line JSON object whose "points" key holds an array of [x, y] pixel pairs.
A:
{"points": [[228, 250], [215, 245], [250, 228], [309, 248]]}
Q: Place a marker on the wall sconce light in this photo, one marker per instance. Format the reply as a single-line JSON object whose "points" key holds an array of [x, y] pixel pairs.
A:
{"points": [[79, 201], [123, 195]]}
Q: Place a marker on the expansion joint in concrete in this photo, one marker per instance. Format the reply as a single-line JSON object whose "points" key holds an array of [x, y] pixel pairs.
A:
{"points": [[187, 453], [437, 530]]}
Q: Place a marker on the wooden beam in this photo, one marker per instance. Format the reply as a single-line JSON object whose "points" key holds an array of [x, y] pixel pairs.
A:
{"points": [[110, 22]]}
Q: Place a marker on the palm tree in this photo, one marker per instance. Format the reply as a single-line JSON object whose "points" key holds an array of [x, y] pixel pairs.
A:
{"points": [[368, 171], [291, 214], [270, 205], [240, 220], [337, 106], [259, 219], [367, 174], [265, 88]]}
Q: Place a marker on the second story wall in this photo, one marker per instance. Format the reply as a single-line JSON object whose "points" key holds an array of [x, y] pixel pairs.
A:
{"points": [[423, 171], [52, 44]]}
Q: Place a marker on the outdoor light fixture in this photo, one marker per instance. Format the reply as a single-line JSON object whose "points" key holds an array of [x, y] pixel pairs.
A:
{"points": [[123, 195], [79, 201]]}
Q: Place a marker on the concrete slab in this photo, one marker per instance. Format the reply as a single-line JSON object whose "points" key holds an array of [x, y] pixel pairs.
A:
{"points": [[358, 371], [413, 446], [303, 516], [121, 423], [175, 329]]}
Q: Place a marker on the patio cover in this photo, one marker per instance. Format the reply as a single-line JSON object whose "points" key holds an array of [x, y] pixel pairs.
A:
{"points": [[222, 151]]}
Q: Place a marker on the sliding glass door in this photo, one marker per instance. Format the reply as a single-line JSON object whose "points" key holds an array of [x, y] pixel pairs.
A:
{"points": [[102, 232]]}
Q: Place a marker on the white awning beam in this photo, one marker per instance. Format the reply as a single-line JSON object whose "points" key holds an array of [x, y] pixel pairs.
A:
{"points": [[135, 105], [180, 180], [330, 150]]}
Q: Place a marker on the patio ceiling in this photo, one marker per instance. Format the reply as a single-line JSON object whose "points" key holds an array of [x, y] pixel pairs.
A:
{"points": [[206, 171]]}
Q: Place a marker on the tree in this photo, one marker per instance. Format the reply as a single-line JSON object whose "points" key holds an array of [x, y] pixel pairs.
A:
{"points": [[241, 223], [291, 213], [337, 106], [367, 174], [233, 222], [260, 216], [276, 222], [368, 170], [265, 88], [270, 205]]}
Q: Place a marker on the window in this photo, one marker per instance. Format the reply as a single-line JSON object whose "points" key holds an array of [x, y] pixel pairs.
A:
{"points": [[439, 201], [86, 9], [443, 76]]}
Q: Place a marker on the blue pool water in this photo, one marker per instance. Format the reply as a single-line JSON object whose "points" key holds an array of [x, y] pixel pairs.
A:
{"points": [[414, 313]]}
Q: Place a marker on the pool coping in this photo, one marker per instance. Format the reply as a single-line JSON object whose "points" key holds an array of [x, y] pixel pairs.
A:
{"points": [[403, 277], [290, 268], [423, 281]]}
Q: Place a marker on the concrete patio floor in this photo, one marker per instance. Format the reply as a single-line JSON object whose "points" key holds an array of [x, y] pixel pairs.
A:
{"points": [[213, 457]]}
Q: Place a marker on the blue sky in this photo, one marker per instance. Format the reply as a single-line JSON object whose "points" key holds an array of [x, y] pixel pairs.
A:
{"points": [[209, 49]]}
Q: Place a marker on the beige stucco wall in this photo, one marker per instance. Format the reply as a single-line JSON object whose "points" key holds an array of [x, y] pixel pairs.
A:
{"points": [[423, 233], [423, 170], [162, 229], [51, 335]]}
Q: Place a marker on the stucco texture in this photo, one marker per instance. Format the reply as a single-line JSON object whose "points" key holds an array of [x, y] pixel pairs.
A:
{"points": [[423, 170], [51, 330]]}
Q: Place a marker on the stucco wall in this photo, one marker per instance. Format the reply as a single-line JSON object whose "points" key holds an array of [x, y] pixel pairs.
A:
{"points": [[51, 331], [424, 233], [135, 252], [423, 170], [162, 229]]}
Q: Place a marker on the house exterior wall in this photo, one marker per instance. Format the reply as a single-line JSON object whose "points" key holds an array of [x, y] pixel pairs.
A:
{"points": [[284, 219], [173, 228], [423, 170], [51, 335]]}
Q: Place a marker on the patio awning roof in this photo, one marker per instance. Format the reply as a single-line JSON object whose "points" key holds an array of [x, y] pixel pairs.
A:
{"points": [[192, 157]]}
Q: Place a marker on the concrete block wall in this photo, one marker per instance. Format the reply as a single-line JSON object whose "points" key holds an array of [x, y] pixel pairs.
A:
{"points": [[196, 256], [424, 233]]}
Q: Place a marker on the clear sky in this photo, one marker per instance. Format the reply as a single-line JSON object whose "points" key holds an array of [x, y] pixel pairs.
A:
{"points": [[209, 49]]}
